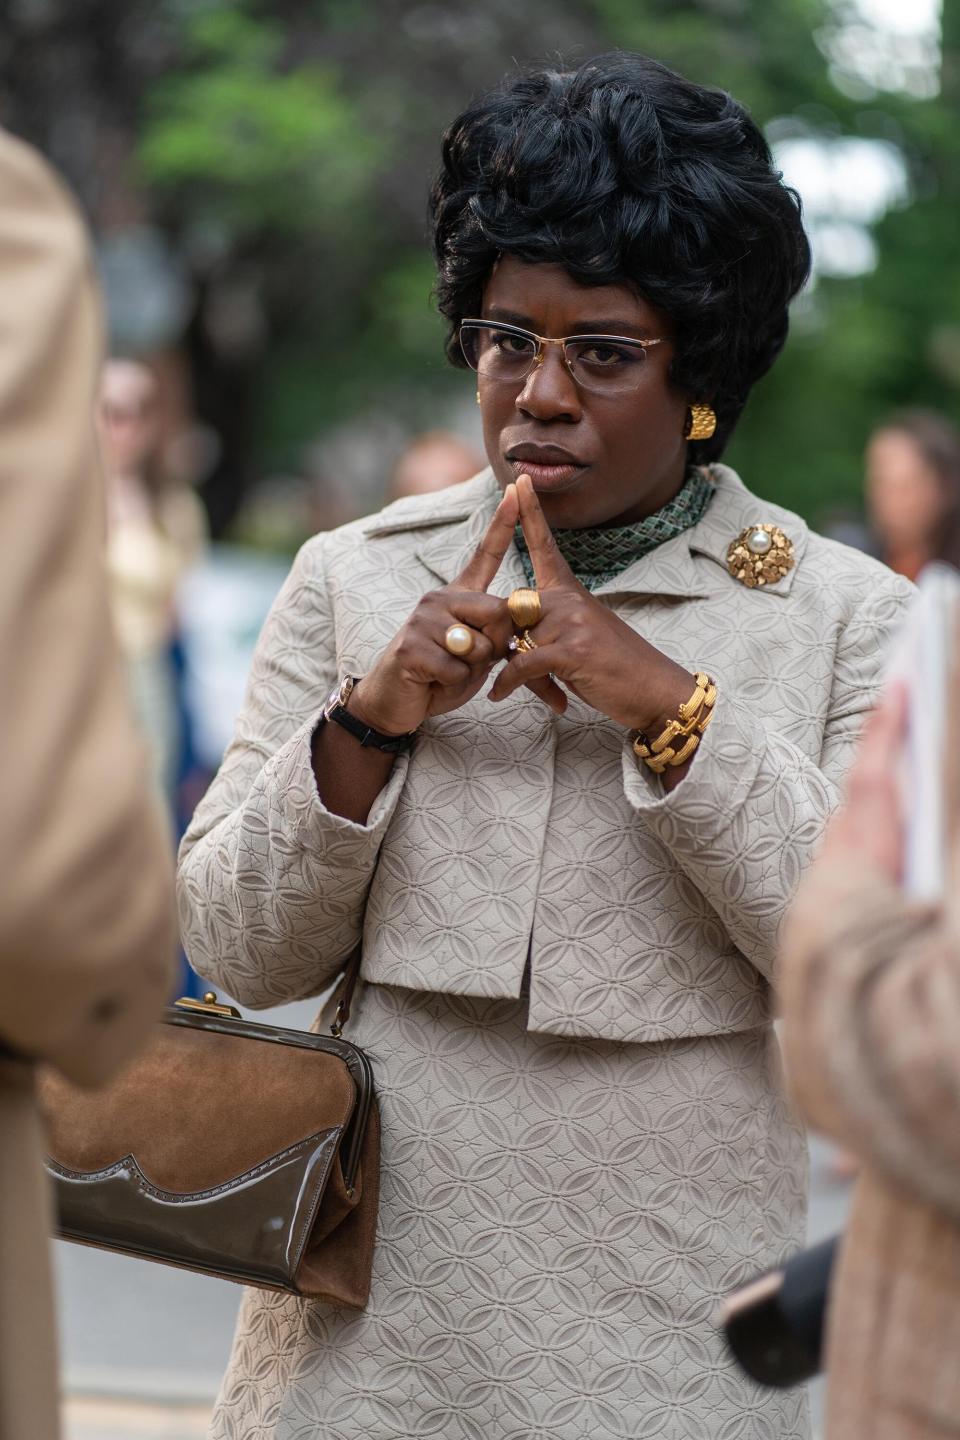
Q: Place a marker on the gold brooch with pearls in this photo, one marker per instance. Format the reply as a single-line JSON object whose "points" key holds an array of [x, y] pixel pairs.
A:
{"points": [[760, 555]]}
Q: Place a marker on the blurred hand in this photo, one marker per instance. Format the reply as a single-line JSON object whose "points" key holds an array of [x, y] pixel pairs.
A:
{"points": [[416, 676], [586, 646], [868, 827]]}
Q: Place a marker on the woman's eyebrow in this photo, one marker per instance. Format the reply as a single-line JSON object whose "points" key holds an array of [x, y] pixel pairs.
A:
{"points": [[627, 328], [508, 317]]}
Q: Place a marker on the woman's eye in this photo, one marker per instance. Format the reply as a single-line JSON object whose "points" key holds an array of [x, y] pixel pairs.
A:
{"points": [[510, 344], [608, 356]]}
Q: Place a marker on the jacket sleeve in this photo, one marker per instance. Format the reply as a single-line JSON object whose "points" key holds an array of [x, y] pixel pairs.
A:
{"points": [[744, 822], [87, 928], [870, 985], [272, 885]]}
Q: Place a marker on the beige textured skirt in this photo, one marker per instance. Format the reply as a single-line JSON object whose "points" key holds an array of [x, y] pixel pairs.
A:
{"points": [[558, 1221]]}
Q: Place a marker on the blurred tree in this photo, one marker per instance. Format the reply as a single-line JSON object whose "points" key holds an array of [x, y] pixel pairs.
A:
{"points": [[765, 54], [303, 135], [872, 343], [286, 151]]}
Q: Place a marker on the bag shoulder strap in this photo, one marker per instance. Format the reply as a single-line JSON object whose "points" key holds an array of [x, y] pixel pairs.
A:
{"points": [[348, 984]]}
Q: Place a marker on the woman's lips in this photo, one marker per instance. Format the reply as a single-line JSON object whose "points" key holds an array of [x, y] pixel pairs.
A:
{"points": [[547, 477]]}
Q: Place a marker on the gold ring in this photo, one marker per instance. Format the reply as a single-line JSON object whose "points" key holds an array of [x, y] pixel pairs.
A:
{"points": [[522, 644], [459, 640], [525, 608]]}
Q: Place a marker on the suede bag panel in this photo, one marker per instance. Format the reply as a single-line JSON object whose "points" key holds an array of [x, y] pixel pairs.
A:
{"points": [[198, 1108], [338, 1266]]}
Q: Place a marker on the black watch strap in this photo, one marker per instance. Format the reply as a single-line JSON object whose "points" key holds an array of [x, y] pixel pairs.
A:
{"points": [[390, 744], [336, 710]]}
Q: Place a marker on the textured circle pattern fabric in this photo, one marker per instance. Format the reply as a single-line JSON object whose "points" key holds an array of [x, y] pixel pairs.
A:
{"points": [[559, 1220]]}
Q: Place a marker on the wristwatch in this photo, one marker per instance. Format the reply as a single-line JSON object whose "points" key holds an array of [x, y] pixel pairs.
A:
{"points": [[336, 710]]}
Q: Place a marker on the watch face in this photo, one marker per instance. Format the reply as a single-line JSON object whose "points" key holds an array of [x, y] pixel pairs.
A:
{"points": [[340, 695]]}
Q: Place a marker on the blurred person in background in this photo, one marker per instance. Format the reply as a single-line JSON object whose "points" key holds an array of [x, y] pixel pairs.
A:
{"points": [[86, 891], [156, 530], [870, 984], [432, 462], [913, 490], [568, 942]]}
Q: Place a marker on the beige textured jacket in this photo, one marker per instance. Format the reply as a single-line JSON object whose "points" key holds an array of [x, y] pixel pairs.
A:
{"points": [[86, 890], [872, 1011], [509, 829]]}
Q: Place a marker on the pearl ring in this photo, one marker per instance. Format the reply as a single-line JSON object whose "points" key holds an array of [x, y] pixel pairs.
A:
{"points": [[459, 640]]}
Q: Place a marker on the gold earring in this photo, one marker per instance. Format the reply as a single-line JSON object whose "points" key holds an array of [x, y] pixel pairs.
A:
{"points": [[701, 423], [478, 397]]}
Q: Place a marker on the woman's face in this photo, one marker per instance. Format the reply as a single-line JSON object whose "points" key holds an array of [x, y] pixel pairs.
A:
{"points": [[127, 416], [904, 492], [603, 460]]}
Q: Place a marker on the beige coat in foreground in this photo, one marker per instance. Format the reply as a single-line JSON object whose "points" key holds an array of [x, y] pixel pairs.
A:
{"points": [[872, 1006], [86, 908], [651, 917]]}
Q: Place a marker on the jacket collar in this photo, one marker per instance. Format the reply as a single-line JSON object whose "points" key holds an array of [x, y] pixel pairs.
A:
{"points": [[692, 565]]}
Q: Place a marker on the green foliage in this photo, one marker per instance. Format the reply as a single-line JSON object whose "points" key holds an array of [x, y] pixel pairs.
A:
{"points": [[389, 355], [878, 342], [254, 144], [762, 51]]}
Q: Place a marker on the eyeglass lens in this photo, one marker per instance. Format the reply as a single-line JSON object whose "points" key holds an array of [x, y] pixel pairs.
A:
{"points": [[596, 363]]}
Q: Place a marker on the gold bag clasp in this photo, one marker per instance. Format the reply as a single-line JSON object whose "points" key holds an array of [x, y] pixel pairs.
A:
{"points": [[208, 1006]]}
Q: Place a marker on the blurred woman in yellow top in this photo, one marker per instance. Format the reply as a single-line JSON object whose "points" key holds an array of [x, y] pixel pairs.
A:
{"points": [[156, 531]]}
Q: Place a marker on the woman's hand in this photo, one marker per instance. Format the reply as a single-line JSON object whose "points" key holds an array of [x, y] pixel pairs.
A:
{"points": [[583, 644], [416, 675]]}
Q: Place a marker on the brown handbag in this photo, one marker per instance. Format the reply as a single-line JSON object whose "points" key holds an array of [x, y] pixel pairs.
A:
{"points": [[241, 1150]]}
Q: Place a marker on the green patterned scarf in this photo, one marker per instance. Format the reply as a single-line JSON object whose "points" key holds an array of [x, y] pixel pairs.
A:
{"points": [[598, 555]]}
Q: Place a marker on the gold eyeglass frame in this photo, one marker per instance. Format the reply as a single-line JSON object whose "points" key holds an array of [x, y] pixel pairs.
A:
{"points": [[542, 342]]}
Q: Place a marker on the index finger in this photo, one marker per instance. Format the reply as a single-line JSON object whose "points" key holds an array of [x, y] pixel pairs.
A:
{"points": [[488, 556], [549, 566]]}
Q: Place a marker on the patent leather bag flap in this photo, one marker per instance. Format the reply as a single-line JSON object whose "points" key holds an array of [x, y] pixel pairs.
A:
{"points": [[237, 1149]]}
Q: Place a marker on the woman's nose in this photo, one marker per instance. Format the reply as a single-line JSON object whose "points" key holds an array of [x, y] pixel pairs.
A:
{"points": [[550, 391]]}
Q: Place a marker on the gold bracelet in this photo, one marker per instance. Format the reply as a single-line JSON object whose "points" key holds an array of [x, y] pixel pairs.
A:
{"points": [[695, 715], [688, 711]]}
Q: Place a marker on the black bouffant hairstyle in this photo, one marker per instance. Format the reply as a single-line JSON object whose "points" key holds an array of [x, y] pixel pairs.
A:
{"points": [[622, 172]]}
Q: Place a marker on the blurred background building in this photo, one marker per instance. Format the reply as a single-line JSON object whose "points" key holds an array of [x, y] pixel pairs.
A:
{"points": [[256, 178]]}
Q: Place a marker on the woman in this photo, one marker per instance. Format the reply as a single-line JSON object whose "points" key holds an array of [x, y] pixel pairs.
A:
{"points": [[567, 952], [913, 490], [155, 533], [913, 504], [871, 988]]}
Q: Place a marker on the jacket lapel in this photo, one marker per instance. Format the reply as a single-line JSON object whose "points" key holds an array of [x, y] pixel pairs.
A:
{"points": [[694, 564], [445, 551]]}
